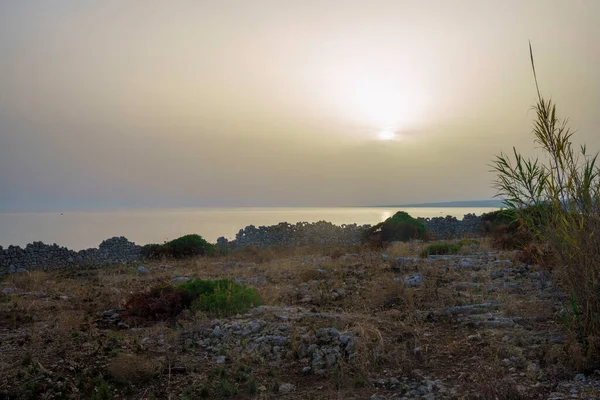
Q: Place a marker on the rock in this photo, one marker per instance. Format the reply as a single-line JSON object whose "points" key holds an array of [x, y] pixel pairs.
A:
{"points": [[413, 280], [331, 358], [220, 360], [466, 263], [141, 270], [533, 367], [180, 279], [70, 260], [8, 290], [21, 270], [496, 274], [12, 269], [286, 388]]}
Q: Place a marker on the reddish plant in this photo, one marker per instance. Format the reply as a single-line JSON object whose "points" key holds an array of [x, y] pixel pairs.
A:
{"points": [[160, 303]]}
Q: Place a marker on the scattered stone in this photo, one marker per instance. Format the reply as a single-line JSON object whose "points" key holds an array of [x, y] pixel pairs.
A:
{"points": [[469, 309], [413, 280], [405, 260], [286, 388], [141, 270]]}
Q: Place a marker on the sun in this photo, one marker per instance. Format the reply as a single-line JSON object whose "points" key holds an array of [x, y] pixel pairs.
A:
{"points": [[386, 134]]}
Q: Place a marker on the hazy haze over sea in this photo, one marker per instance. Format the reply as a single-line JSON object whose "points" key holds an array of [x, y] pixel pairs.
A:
{"points": [[84, 229]]}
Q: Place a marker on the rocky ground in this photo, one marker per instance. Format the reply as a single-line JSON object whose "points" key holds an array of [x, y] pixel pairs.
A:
{"points": [[343, 323]]}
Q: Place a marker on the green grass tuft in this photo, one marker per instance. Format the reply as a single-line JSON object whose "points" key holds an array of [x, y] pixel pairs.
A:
{"points": [[439, 249]]}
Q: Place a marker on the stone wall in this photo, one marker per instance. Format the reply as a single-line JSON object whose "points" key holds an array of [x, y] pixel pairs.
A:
{"points": [[119, 250], [38, 255], [325, 233], [299, 234], [451, 227]]}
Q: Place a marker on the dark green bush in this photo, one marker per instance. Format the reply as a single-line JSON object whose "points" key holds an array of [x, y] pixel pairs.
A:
{"points": [[497, 218], [221, 297], [439, 249], [401, 226], [190, 245], [185, 246], [506, 230]]}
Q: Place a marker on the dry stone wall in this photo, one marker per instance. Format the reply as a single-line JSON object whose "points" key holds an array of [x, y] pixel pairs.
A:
{"points": [[37, 255], [450, 227], [299, 234], [325, 233]]}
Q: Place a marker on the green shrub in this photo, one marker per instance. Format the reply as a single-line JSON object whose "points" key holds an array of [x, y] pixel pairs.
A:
{"points": [[439, 249], [217, 297], [506, 230], [185, 246], [401, 226], [221, 297], [190, 245], [499, 217]]}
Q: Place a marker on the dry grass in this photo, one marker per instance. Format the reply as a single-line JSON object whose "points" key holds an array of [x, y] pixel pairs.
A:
{"points": [[399, 333], [133, 368]]}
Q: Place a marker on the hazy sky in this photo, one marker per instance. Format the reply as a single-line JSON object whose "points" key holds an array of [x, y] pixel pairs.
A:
{"points": [[265, 103]]}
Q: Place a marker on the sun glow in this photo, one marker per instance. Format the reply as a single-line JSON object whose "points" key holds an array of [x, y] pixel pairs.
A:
{"points": [[386, 134]]}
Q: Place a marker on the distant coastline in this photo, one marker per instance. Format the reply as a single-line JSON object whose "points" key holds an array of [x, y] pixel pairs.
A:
{"points": [[467, 203]]}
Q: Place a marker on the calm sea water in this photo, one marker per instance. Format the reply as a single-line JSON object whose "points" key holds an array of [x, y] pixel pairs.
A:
{"points": [[80, 230]]}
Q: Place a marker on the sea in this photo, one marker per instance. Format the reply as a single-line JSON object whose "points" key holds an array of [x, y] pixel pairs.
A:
{"points": [[84, 229]]}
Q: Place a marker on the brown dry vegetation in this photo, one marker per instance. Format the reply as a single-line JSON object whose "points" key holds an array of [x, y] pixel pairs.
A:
{"points": [[54, 342]]}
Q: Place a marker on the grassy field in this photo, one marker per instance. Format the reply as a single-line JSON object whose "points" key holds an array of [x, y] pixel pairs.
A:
{"points": [[335, 323]]}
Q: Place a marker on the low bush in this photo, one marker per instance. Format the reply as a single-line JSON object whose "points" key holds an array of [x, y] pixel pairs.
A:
{"points": [[221, 297], [159, 303], [505, 229], [439, 249], [401, 226], [185, 246], [216, 297]]}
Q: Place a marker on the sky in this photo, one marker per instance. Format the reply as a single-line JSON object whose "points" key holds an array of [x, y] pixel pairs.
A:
{"points": [[141, 103]]}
